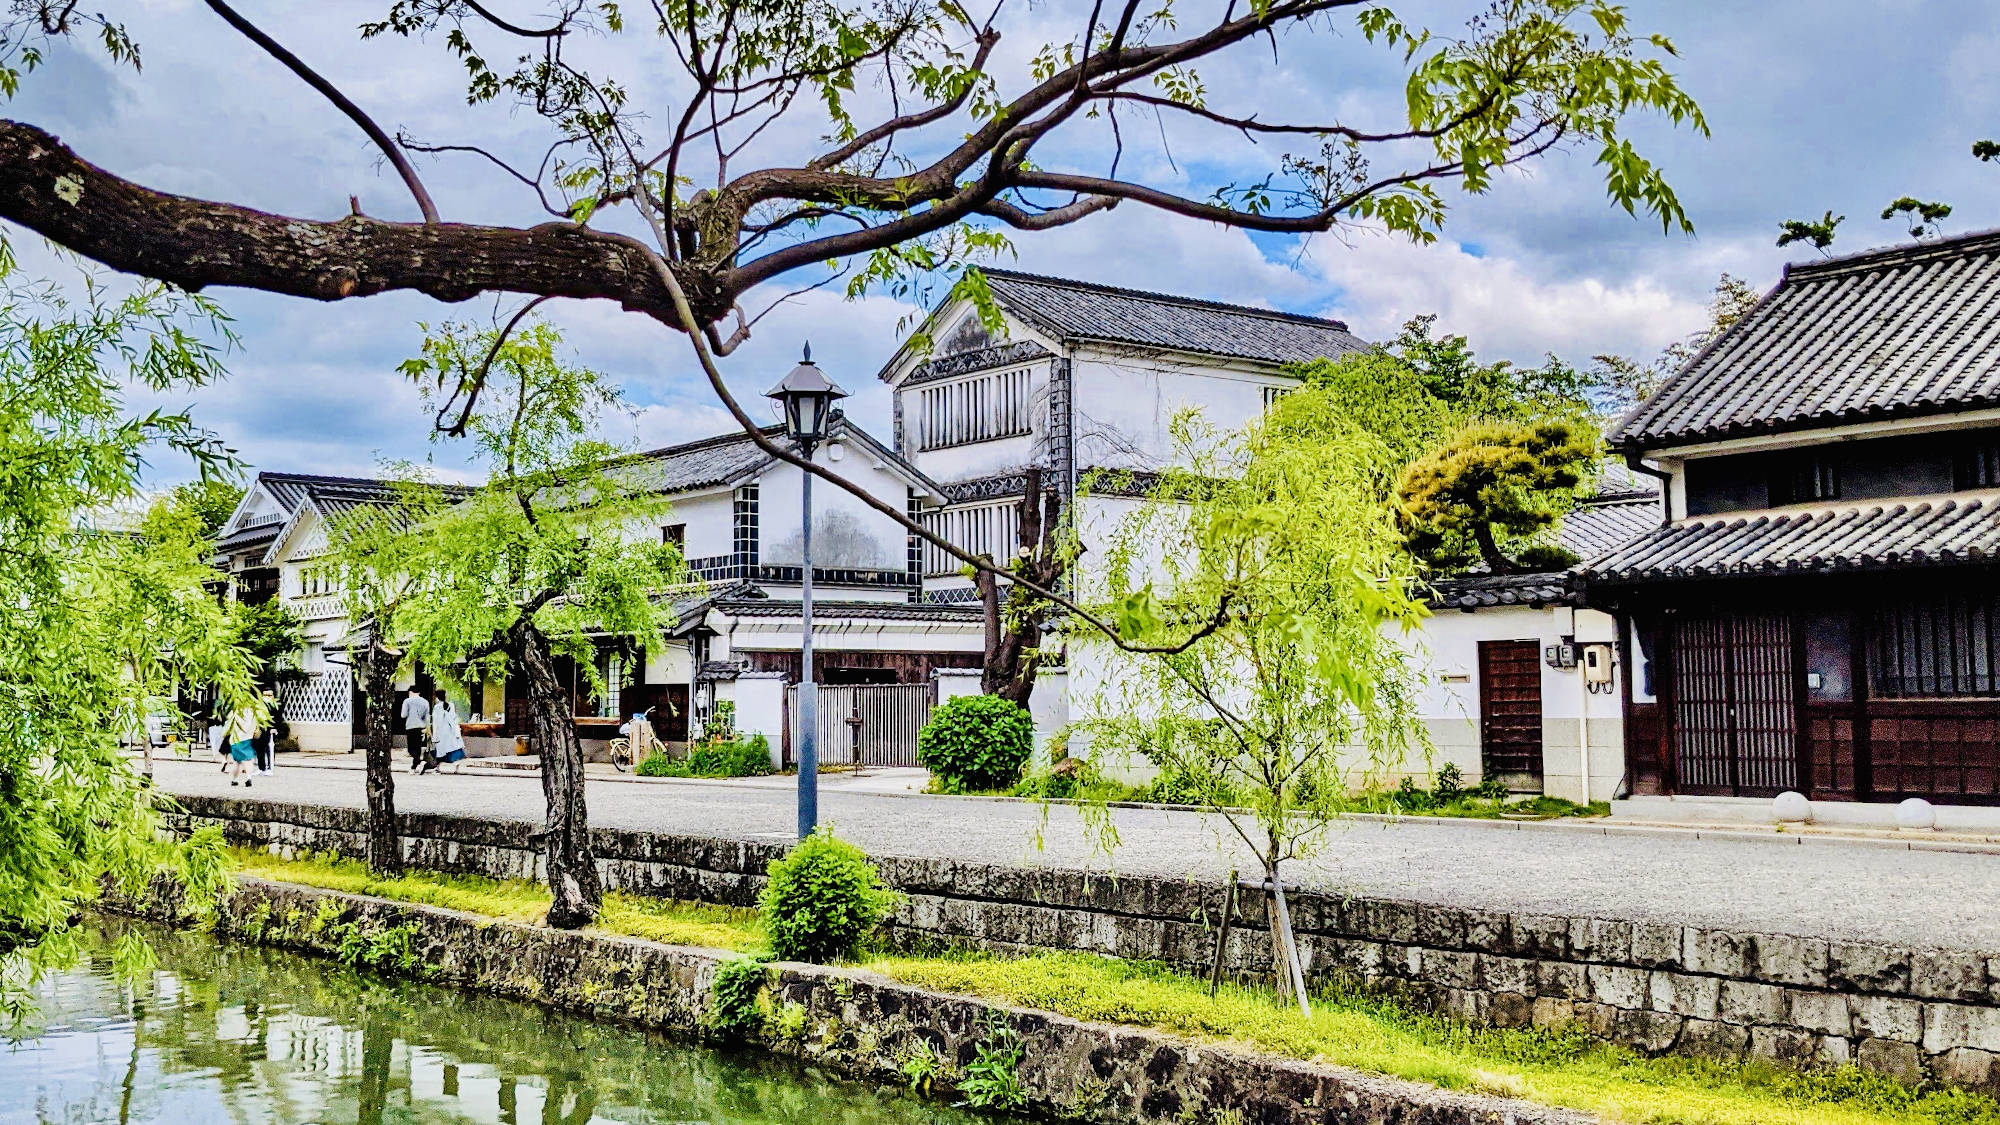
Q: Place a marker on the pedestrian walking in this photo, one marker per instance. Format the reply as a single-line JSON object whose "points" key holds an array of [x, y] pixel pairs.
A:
{"points": [[416, 717], [241, 735], [267, 738], [217, 744], [447, 741]]}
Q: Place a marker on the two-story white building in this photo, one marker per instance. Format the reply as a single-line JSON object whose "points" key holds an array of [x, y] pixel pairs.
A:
{"points": [[735, 515]]}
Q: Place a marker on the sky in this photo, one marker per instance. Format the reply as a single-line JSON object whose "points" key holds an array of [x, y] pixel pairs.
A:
{"points": [[1813, 105]]}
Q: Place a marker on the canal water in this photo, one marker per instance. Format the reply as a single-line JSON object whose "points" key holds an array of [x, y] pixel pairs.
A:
{"points": [[238, 1035]]}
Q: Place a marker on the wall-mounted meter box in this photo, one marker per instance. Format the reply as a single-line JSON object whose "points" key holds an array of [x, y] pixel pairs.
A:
{"points": [[1596, 664]]}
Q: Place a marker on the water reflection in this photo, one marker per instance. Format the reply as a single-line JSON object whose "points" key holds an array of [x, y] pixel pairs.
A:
{"points": [[224, 1033]]}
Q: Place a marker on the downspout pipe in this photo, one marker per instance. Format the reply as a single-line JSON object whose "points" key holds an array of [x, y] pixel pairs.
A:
{"points": [[1665, 478]]}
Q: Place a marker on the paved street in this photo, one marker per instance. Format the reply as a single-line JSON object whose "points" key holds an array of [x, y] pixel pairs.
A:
{"points": [[1830, 889]]}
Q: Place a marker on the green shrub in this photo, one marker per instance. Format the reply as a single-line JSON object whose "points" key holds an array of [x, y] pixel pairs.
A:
{"points": [[976, 742], [821, 899], [1173, 787], [733, 1012], [1450, 784], [739, 757], [993, 1077]]}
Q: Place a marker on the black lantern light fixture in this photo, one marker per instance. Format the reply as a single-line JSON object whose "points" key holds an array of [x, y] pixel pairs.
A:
{"points": [[807, 397]]}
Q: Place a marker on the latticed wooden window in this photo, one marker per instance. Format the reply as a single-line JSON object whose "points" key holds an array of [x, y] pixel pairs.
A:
{"points": [[1936, 645], [982, 408]]}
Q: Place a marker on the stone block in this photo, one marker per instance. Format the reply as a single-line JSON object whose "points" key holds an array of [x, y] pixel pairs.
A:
{"points": [[1600, 939], [1823, 1012], [1618, 985], [1440, 927], [1714, 1040], [1507, 974], [1651, 1032], [1657, 945], [1550, 1011], [1541, 936], [1561, 979], [1447, 968], [1948, 974], [1749, 1003], [1867, 966], [1887, 1018], [1783, 1044], [1833, 1050], [1717, 953], [1601, 1020], [1685, 995], [1467, 1004], [1949, 1026], [1510, 1009], [1899, 1060], [1788, 959], [1488, 931], [1965, 1066], [1381, 920]]}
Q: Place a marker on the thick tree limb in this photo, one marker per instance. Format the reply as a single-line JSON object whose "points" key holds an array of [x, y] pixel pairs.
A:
{"points": [[194, 243]]}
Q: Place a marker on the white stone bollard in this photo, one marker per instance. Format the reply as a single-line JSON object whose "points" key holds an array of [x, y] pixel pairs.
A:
{"points": [[1791, 807], [1916, 815]]}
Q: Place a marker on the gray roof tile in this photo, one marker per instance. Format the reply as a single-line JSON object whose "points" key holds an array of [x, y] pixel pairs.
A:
{"points": [[1081, 310], [1856, 535], [1904, 331]]}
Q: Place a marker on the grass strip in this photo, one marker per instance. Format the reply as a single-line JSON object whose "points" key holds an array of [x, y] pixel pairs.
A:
{"points": [[676, 923], [1563, 1067], [1554, 1067]]}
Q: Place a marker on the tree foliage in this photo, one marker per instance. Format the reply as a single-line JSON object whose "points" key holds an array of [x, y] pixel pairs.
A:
{"points": [[935, 145], [546, 555], [210, 500], [976, 742], [98, 625], [1818, 232], [1924, 217], [1491, 493], [274, 637], [1622, 382], [1303, 694]]}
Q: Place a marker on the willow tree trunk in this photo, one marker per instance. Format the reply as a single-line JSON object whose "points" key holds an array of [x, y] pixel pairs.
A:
{"points": [[1014, 618], [385, 845], [572, 867]]}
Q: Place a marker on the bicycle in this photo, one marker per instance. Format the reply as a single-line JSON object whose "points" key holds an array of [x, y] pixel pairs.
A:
{"points": [[620, 750]]}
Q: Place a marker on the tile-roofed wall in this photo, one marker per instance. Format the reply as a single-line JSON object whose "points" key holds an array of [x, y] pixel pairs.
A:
{"points": [[1080, 310], [1889, 333]]}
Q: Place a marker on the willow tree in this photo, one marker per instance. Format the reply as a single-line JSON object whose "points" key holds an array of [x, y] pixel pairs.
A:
{"points": [[891, 144], [1303, 694], [549, 555], [81, 661]]}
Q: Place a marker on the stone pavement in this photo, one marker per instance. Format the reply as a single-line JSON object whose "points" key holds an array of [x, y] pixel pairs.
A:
{"points": [[1827, 888]]}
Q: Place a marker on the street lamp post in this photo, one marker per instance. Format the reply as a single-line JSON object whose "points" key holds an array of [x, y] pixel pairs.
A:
{"points": [[807, 397]]}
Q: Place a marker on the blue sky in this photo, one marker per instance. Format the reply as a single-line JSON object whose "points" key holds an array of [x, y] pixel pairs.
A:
{"points": [[1814, 104]]}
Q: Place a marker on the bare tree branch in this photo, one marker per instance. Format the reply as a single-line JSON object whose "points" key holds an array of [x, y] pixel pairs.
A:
{"points": [[341, 101]]}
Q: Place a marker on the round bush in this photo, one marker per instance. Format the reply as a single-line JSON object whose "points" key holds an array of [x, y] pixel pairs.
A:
{"points": [[821, 899], [976, 742]]}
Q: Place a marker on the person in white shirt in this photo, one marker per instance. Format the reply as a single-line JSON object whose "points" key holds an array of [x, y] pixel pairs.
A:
{"points": [[447, 741], [416, 716]]}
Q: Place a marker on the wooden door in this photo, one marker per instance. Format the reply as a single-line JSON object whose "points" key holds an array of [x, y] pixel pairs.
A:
{"points": [[1510, 710], [1735, 705]]}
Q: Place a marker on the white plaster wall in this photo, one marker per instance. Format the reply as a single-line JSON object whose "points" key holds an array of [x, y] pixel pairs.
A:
{"points": [[671, 663], [1048, 705], [846, 532], [1447, 649], [1126, 403], [711, 523], [337, 737], [760, 709]]}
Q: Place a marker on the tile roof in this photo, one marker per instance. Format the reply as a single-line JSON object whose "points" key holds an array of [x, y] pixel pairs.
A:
{"points": [[1081, 310], [726, 458], [1903, 331], [1485, 591], [1603, 526], [290, 489], [1855, 535]]}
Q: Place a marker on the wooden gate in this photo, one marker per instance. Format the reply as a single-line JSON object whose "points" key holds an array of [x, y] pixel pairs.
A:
{"points": [[866, 724], [1735, 707], [1510, 710]]}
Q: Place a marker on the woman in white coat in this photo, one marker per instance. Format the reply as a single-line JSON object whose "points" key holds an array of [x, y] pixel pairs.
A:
{"points": [[447, 742]]}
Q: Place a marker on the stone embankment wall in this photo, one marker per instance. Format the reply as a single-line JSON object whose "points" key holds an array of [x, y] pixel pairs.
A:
{"points": [[1660, 987], [856, 1023]]}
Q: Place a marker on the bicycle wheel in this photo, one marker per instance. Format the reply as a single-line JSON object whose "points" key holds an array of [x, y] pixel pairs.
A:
{"points": [[621, 754]]}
